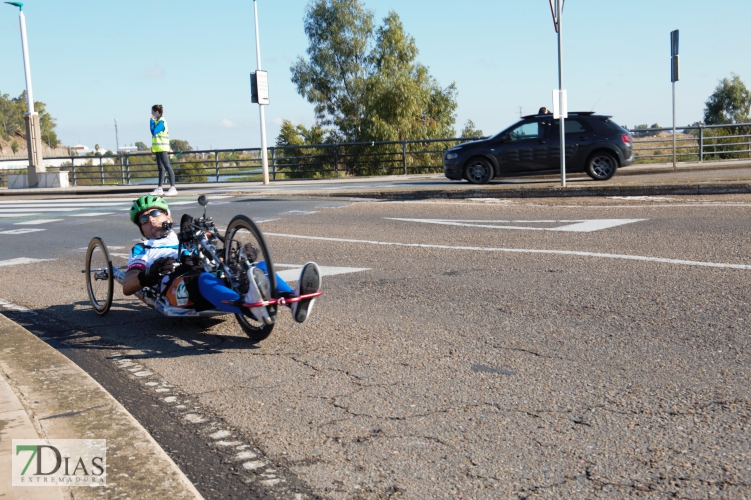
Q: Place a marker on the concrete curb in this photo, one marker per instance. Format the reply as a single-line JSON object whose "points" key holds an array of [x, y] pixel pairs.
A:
{"points": [[64, 402]]}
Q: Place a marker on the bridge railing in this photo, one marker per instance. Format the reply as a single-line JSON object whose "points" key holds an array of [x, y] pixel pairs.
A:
{"points": [[321, 161]]}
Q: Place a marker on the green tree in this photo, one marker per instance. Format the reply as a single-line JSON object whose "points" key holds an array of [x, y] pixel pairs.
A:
{"points": [[141, 146], [179, 146], [295, 160], [365, 82], [469, 131], [14, 146], [729, 103], [12, 113]]}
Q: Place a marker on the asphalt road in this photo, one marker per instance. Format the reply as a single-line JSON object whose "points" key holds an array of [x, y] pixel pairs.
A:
{"points": [[552, 348]]}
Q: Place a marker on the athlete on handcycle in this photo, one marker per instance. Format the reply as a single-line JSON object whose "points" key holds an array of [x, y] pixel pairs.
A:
{"points": [[152, 263]]}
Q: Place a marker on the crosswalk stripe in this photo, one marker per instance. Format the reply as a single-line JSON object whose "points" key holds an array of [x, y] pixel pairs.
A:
{"points": [[19, 211], [92, 214], [22, 231], [38, 221], [21, 260]]}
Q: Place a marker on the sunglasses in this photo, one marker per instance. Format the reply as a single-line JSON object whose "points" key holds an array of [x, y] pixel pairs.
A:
{"points": [[145, 217]]}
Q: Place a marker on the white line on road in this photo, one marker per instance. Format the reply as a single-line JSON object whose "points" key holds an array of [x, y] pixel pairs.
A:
{"points": [[21, 260], [34, 222], [581, 226], [20, 211], [93, 214], [22, 231], [522, 250], [292, 275], [7, 306]]}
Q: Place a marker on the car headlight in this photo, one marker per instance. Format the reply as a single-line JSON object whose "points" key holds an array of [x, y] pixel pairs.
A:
{"points": [[452, 156]]}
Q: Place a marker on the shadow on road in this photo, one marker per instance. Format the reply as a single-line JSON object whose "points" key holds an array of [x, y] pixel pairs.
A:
{"points": [[130, 326]]}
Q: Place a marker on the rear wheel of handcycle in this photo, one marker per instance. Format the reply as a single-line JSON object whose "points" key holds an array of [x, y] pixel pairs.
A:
{"points": [[99, 278], [241, 231]]}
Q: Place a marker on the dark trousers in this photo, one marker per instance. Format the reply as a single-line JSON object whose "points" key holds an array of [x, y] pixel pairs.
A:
{"points": [[162, 161]]}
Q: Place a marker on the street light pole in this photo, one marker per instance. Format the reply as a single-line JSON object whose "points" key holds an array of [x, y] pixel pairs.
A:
{"points": [[561, 98], [33, 130], [264, 154]]}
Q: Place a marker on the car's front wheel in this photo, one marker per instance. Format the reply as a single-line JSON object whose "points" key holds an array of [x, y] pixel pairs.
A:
{"points": [[478, 171], [602, 165]]}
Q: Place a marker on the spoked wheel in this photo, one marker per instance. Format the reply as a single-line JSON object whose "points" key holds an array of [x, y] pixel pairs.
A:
{"points": [[242, 232], [99, 277]]}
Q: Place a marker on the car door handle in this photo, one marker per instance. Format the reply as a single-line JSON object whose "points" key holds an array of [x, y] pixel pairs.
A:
{"points": [[542, 142]]}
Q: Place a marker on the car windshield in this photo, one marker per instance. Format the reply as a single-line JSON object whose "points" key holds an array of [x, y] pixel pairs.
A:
{"points": [[506, 130]]}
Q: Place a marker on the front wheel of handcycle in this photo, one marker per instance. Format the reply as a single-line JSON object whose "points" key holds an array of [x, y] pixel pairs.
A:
{"points": [[99, 278], [242, 231]]}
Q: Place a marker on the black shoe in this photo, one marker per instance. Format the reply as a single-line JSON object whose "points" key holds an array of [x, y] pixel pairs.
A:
{"points": [[309, 282]]}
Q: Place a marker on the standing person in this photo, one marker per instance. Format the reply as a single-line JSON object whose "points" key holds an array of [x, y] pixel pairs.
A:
{"points": [[160, 147]]}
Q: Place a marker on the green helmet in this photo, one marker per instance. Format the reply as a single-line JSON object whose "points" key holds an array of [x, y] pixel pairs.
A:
{"points": [[145, 203]]}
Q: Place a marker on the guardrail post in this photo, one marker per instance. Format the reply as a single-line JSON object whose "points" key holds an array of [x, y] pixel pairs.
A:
{"points": [[122, 172], [101, 170], [701, 142], [127, 168], [216, 164], [73, 170], [273, 164], [336, 160], [404, 155]]}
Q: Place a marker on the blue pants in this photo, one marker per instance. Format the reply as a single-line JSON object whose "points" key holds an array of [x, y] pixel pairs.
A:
{"points": [[215, 291]]}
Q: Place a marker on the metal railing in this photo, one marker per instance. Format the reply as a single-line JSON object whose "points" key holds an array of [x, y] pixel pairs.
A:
{"points": [[696, 143], [693, 143], [285, 162]]}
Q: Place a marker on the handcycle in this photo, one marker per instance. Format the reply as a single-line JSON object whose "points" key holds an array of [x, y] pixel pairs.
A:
{"points": [[200, 239]]}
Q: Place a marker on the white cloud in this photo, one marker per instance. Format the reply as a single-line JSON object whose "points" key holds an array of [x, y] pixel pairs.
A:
{"points": [[155, 72], [227, 123]]}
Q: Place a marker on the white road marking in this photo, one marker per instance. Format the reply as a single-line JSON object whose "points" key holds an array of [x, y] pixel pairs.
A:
{"points": [[522, 250], [60, 205], [71, 200], [18, 215], [259, 221], [7, 306], [93, 214], [292, 275], [21, 260], [25, 211], [38, 221], [298, 212], [22, 231], [582, 226]]}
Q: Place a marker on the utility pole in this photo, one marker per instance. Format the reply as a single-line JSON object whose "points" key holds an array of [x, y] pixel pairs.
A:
{"points": [[559, 98], [260, 91], [33, 130], [674, 77]]}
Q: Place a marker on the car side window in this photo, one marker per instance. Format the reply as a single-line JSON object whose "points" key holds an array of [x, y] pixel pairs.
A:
{"points": [[572, 125], [531, 130]]}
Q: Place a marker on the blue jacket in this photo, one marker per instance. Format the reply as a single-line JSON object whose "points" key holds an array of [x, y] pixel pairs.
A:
{"points": [[157, 127]]}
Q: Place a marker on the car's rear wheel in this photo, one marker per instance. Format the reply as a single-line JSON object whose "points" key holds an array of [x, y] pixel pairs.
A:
{"points": [[478, 170], [602, 165]]}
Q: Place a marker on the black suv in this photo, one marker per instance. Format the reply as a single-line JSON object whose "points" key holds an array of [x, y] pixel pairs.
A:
{"points": [[595, 144]]}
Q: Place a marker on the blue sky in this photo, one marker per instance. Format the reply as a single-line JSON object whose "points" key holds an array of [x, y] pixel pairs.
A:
{"points": [[96, 60]]}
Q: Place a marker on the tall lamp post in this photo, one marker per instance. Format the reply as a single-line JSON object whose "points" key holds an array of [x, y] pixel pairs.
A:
{"points": [[559, 97], [33, 130], [260, 94]]}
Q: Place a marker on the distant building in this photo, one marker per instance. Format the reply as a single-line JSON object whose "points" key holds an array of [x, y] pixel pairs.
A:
{"points": [[81, 150], [127, 149]]}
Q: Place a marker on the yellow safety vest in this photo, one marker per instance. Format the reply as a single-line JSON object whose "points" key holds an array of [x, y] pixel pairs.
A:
{"points": [[160, 141]]}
